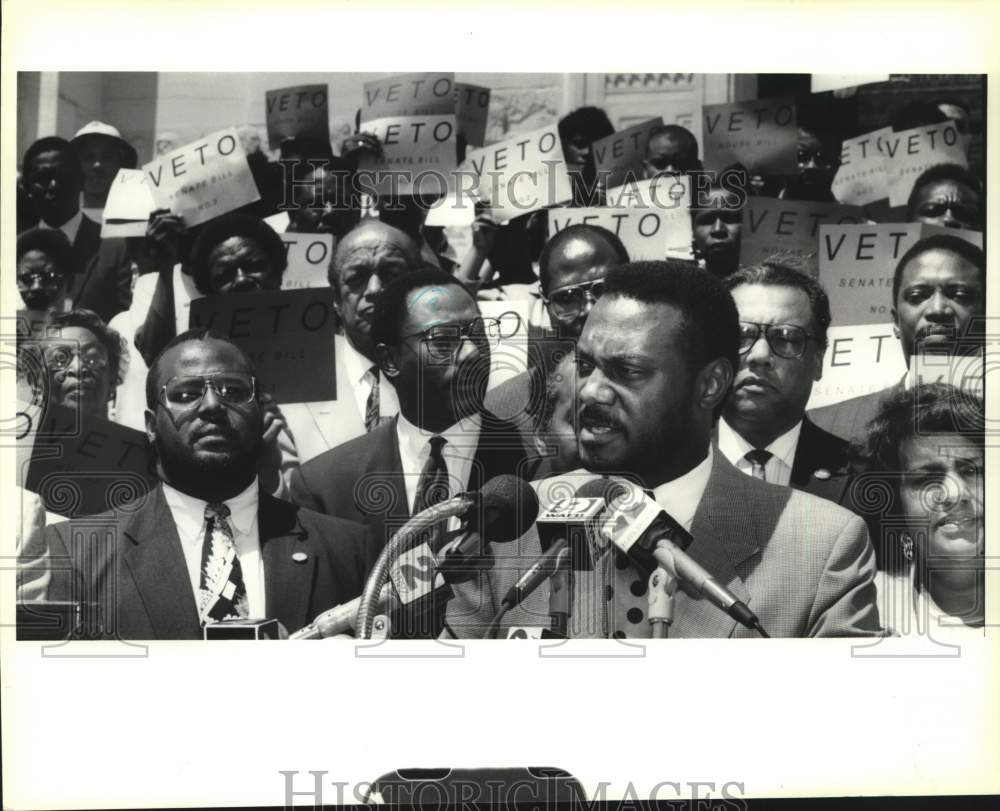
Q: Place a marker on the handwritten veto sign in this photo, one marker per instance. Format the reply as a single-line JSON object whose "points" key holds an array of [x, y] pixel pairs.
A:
{"points": [[620, 155], [861, 176], [419, 152], [83, 465], [908, 154], [308, 258], [773, 226], [128, 206], [418, 94], [288, 336], [472, 110], [203, 179], [520, 175], [300, 111], [763, 135]]}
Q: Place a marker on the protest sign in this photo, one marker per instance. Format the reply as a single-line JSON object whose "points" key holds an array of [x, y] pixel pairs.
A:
{"points": [[128, 206], [762, 134], [300, 111], [454, 209], [619, 156], [84, 465], [413, 94], [647, 232], [789, 226], [684, 112], [908, 154], [287, 335], [472, 110], [203, 179], [522, 174], [308, 258], [821, 82], [861, 176], [860, 359], [419, 154]]}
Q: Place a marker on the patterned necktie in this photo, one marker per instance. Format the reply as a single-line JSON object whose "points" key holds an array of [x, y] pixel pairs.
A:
{"points": [[222, 593], [432, 487], [759, 458], [372, 404]]}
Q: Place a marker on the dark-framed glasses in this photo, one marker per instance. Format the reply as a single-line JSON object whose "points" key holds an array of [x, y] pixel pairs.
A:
{"points": [[185, 391], [444, 340], [785, 340], [566, 303], [60, 356], [46, 278]]}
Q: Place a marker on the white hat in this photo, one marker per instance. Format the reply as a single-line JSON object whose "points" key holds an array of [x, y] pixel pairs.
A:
{"points": [[102, 130]]}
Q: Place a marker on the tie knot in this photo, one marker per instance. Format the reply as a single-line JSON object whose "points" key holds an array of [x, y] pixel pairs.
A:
{"points": [[373, 371], [216, 511], [436, 443], [758, 456]]}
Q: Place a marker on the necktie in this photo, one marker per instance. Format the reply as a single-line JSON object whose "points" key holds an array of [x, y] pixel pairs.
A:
{"points": [[432, 487], [222, 593], [372, 404], [759, 458]]}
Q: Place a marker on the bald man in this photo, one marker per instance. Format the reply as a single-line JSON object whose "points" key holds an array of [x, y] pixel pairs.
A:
{"points": [[366, 259]]}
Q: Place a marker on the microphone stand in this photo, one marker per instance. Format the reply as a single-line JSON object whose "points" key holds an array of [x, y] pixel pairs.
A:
{"points": [[660, 595]]}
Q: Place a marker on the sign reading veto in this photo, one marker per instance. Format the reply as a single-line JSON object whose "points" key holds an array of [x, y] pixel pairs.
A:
{"points": [[288, 335], [773, 226], [418, 94], [472, 111], [646, 232], [308, 258], [619, 156], [763, 135], [861, 177], [522, 174], [908, 154], [419, 151], [129, 204], [83, 465], [300, 111], [203, 179]]}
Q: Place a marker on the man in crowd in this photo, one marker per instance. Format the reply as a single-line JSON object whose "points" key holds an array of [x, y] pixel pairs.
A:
{"points": [[717, 224], [939, 295], [367, 259], [671, 149], [655, 364], [434, 347], [52, 177], [949, 195], [44, 269], [102, 152], [206, 544], [763, 431]]}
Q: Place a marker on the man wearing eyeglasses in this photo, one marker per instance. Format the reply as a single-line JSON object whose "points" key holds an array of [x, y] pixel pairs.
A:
{"points": [[435, 348], [763, 431], [207, 544]]}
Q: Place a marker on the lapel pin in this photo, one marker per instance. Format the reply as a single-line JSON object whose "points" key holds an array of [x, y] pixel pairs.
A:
{"points": [[300, 557], [822, 474]]}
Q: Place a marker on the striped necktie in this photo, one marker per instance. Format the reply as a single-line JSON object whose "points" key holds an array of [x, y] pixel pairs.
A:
{"points": [[372, 403], [432, 487], [222, 593], [758, 458]]}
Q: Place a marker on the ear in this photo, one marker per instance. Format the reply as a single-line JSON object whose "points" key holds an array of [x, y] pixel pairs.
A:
{"points": [[818, 364], [385, 356], [150, 417], [895, 323], [711, 385]]}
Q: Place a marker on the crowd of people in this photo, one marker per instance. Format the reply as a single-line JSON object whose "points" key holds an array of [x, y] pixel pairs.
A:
{"points": [[688, 375]]}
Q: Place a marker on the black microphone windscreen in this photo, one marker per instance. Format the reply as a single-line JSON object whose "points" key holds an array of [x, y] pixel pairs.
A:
{"points": [[507, 508], [605, 488]]}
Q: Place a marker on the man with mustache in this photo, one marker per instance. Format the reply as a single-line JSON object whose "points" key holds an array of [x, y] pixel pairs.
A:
{"points": [[655, 363], [939, 295], [784, 315], [207, 544]]}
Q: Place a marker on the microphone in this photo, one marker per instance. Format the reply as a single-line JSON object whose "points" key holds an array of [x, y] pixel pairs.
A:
{"points": [[557, 557], [639, 527], [340, 619], [505, 506]]}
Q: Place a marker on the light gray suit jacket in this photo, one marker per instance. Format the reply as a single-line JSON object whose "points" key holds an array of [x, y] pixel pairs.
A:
{"points": [[802, 564]]}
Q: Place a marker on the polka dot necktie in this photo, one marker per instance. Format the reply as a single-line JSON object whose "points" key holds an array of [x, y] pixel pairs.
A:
{"points": [[222, 593], [758, 458]]}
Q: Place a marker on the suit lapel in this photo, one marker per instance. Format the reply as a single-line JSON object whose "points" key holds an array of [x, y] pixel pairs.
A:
{"points": [[723, 539], [820, 453], [156, 563], [386, 468], [289, 556]]}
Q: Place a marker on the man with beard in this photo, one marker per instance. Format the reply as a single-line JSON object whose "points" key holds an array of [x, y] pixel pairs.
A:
{"points": [[939, 295], [207, 544], [654, 364], [434, 346]]}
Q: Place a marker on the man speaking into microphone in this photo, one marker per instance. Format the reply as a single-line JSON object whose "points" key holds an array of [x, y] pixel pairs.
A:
{"points": [[655, 362]]}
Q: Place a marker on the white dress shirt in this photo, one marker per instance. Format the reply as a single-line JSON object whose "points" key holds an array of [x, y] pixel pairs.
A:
{"points": [[461, 441], [69, 228], [681, 496], [778, 469], [189, 517], [360, 381]]}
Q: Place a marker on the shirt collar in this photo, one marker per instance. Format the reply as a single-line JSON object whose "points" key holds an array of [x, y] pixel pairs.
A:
{"points": [[681, 496], [189, 512], [69, 228], [356, 364], [415, 441], [735, 447]]}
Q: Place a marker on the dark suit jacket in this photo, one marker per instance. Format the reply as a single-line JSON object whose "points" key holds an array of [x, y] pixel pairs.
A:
{"points": [[132, 562], [104, 284], [822, 464], [849, 419], [363, 479]]}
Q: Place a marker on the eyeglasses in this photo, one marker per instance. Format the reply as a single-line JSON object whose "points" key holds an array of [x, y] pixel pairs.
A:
{"points": [[46, 278], [566, 303], [184, 391], [444, 341], [59, 356], [785, 340], [936, 209]]}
